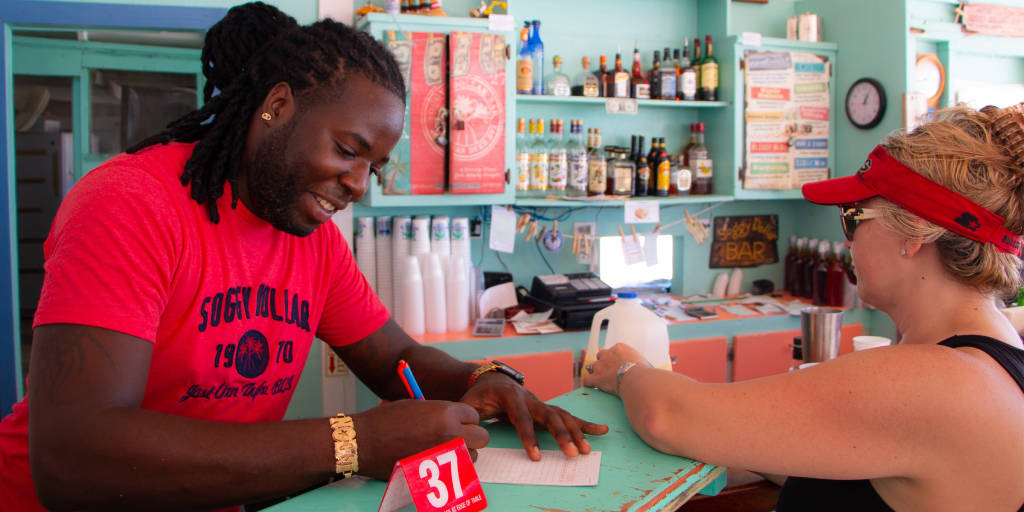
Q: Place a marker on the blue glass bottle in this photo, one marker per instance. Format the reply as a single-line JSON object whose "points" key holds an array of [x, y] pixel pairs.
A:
{"points": [[537, 55]]}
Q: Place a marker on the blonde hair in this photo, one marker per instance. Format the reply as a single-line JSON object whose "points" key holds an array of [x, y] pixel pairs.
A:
{"points": [[976, 154]]}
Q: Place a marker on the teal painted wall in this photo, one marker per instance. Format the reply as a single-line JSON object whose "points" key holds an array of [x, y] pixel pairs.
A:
{"points": [[305, 11]]}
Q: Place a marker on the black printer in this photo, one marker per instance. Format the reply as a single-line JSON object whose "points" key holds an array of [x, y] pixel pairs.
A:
{"points": [[574, 297]]}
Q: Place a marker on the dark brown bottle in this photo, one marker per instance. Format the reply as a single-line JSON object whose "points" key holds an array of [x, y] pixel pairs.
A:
{"points": [[807, 282], [643, 170], [662, 171], [605, 80], [819, 292], [836, 277], [789, 271]]}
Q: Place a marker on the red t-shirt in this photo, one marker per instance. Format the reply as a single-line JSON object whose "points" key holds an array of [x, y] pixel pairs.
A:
{"points": [[231, 308]]}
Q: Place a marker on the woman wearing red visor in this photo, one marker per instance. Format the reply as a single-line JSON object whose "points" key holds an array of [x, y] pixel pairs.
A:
{"points": [[934, 221]]}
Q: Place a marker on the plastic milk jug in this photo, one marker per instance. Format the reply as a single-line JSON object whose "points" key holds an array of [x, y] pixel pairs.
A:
{"points": [[631, 323]]}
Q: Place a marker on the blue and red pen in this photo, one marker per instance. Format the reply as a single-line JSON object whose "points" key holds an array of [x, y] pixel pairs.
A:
{"points": [[409, 380]]}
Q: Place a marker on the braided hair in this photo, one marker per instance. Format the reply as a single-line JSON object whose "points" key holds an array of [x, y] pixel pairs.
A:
{"points": [[254, 47]]}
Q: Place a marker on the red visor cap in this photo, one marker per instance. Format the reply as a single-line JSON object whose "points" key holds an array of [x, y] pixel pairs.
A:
{"points": [[883, 175]]}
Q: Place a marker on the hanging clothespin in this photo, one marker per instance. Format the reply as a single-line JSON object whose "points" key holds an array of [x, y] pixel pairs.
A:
{"points": [[533, 230], [656, 228], [555, 229], [541, 235], [521, 223], [575, 243], [633, 229], [586, 245], [622, 235]]}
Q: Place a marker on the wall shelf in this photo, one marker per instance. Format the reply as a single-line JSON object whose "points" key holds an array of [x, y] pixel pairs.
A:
{"points": [[541, 202], [582, 100]]}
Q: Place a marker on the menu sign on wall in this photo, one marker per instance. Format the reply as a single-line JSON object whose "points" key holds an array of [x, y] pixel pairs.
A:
{"points": [[788, 111], [744, 241]]}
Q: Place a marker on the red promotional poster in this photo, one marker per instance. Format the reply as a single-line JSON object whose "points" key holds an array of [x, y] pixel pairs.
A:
{"points": [[476, 100], [428, 121], [441, 479]]}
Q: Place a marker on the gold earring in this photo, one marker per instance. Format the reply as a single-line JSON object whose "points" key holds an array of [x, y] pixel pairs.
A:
{"points": [[266, 116]]}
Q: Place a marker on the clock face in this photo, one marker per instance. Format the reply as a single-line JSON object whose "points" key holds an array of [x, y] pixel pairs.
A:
{"points": [[865, 103], [927, 78]]}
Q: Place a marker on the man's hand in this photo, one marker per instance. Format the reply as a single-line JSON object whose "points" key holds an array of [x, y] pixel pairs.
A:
{"points": [[495, 394], [604, 372], [396, 430]]}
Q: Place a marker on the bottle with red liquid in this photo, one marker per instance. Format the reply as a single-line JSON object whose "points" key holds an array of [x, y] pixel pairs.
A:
{"points": [[807, 281], [836, 277], [789, 266], [798, 267], [819, 288]]}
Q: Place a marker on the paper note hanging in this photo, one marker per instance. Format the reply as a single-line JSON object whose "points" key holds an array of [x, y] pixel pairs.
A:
{"points": [[641, 211], [503, 229], [441, 479]]}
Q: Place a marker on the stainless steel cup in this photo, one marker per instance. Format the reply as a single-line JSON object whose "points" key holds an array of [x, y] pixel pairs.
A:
{"points": [[822, 330]]}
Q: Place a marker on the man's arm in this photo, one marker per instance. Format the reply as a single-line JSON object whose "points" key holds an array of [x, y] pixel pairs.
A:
{"points": [[92, 447], [375, 361]]}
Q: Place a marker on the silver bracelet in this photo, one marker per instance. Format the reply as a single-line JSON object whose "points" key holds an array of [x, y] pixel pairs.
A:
{"points": [[622, 371]]}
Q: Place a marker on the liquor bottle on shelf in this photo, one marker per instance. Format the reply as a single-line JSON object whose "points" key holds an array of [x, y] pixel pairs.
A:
{"points": [[639, 87], [539, 161], [652, 155], [819, 289], [798, 267], [683, 178], [807, 280], [577, 186], [620, 78], [537, 56], [663, 170], [585, 83], [695, 64], [686, 87], [606, 80], [523, 157], [524, 63], [667, 78], [709, 73], [654, 76], [558, 160], [685, 154], [700, 164], [789, 270], [597, 167], [557, 83], [621, 173], [643, 170], [836, 276]]}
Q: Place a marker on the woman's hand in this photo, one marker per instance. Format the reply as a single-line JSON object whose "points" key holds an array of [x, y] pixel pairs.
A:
{"points": [[603, 372]]}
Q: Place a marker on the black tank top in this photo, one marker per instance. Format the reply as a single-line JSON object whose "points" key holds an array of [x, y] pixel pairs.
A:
{"points": [[813, 494]]}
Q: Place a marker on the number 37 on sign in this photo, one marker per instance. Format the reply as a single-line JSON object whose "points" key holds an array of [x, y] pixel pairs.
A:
{"points": [[441, 479]]}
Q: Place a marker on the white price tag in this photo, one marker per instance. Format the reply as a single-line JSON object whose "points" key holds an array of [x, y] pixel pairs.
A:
{"points": [[621, 106]]}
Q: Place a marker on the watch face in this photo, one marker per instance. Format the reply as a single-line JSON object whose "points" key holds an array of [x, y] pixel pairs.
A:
{"points": [[865, 103]]}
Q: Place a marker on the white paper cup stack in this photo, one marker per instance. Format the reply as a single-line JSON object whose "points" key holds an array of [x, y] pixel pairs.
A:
{"points": [[401, 235], [385, 282], [412, 319], [440, 240], [456, 289], [460, 238], [366, 259], [433, 294], [420, 243]]}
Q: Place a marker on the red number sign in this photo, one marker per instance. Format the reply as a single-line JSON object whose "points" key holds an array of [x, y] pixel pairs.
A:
{"points": [[441, 479]]}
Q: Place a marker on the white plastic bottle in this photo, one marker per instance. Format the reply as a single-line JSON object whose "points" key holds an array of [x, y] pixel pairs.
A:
{"points": [[631, 323]]}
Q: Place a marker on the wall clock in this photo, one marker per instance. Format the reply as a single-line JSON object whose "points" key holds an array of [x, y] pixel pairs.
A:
{"points": [[929, 78], [865, 103]]}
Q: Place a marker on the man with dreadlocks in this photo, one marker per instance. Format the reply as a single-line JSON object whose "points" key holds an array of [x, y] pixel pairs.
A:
{"points": [[173, 326]]}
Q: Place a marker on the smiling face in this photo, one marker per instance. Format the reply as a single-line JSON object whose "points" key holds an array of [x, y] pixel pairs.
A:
{"points": [[318, 160]]}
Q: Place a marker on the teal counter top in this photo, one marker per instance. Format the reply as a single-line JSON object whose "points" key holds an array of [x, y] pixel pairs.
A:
{"points": [[634, 477]]}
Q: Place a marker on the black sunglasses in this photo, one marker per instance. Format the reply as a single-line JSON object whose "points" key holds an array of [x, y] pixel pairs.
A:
{"points": [[852, 216]]}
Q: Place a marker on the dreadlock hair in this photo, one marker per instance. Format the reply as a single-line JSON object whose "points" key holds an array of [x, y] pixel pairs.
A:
{"points": [[254, 47]]}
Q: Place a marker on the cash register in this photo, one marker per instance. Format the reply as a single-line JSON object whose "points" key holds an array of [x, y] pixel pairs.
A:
{"points": [[574, 297]]}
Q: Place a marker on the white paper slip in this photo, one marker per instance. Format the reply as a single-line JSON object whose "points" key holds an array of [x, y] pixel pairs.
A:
{"points": [[512, 466], [503, 229], [738, 310]]}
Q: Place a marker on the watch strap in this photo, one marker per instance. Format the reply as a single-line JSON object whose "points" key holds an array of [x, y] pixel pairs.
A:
{"points": [[497, 366]]}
